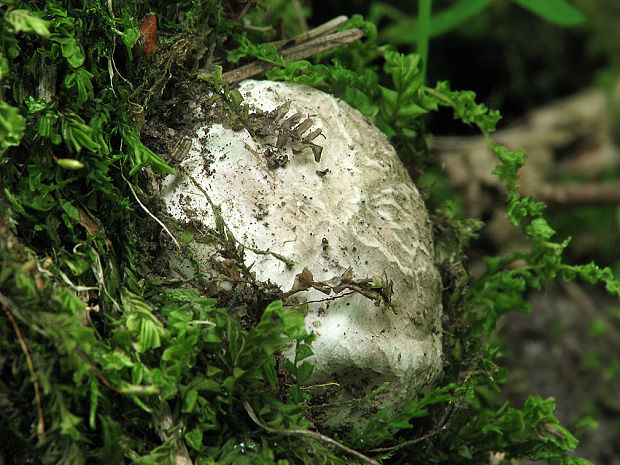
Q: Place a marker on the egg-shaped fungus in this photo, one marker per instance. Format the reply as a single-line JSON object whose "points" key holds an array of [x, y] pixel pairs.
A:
{"points": [[324, 209]]}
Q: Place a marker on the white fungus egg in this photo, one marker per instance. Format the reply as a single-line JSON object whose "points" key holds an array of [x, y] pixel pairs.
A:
{"points": [[326, 191]]}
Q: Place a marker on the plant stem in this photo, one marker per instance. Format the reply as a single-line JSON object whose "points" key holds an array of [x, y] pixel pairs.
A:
{"points": [[424, 32]]}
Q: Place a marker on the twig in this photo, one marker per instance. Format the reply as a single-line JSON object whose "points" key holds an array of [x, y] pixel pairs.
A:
{"points": [[576, 292], [128, 390], [229, 234], [201, 322], [241, 14], [324, 28], [326, 299], [6, 304], [309, 434], [97, 372], [445, 421], [47, 80], [164, 422], [300, 15], [323, 385], [579, 194], [150, 214], [298, 52], [97, 270], [76, 287]]}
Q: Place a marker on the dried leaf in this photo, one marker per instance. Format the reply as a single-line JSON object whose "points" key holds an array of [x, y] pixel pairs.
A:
{"points": [[148, 34]]}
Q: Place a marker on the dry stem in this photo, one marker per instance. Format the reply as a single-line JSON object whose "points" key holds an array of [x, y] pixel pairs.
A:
{"points": [[298, 52], [308, 434], [443, 424], [6, 305]]}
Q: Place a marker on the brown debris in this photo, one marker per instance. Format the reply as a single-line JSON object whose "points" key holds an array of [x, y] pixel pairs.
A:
{"points": [[148, 34]]}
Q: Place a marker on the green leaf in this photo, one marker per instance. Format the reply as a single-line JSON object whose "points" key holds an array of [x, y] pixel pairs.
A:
{"points": [[130, 36], [302, 72], [69, 209], [70, 163], [302, 351], [369, 28], [68, 424], [454, 15], [269, 373], [208, 384], [215, 77], [141, 155], [94, 402], [577, 461], [405, 71], [264, 52], [116, 360], [112, 433], [361, 101], [194, 439], [406, 29], [402, 106], [236, 98], [12, 126], [77, 134], [540, 229], [78, 264], [71, 50], [304, 371], [70, 302], [24, 21], [556, 11], [4, 67], [80, 79], [189, 401], [141, 322], [464, 105]]}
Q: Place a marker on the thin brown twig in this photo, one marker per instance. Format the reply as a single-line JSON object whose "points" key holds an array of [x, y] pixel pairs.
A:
{"points": [[445, 422], [309, 434], [165, 424], [47, 80], [326, 299], [298, 52], [150, 214], [300, 15], [149, 389], [576, 292], [325, 28], [6, 304], [97, 372], [323, 385], [579, 194]]}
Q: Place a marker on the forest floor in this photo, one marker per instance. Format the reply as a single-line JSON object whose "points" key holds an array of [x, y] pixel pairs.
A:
{"points": [[567, 349]]}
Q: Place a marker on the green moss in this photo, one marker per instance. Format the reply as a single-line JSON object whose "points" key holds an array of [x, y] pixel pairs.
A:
{"points": [[116, 348]]}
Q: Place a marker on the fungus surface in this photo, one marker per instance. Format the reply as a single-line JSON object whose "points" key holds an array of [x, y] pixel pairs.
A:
{"points": [[324, 209]]}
